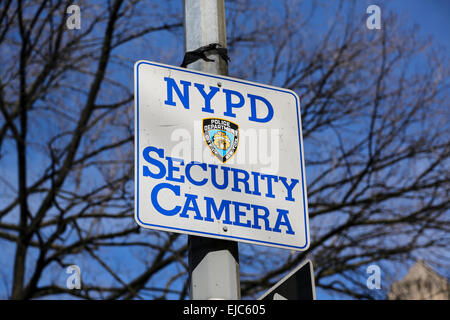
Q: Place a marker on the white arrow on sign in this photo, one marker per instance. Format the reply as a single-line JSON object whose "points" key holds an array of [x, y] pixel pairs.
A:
{"points": [[277, 296]]}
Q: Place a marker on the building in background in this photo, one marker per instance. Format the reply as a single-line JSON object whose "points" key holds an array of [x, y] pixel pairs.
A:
{"points": [[420, 283]]}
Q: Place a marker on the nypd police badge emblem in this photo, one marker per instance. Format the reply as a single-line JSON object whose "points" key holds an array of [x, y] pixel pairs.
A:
{"points": [[222, 137]]}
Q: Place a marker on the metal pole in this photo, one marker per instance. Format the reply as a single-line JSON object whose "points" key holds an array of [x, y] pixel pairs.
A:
{"points": [[213, 264]]}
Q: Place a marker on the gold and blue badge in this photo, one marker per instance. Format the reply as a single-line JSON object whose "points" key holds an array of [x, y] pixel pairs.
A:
{"points": [[221, 136]]}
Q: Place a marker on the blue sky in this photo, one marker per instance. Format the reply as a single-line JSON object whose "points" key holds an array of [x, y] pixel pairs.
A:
{"points": [[432, 17]]}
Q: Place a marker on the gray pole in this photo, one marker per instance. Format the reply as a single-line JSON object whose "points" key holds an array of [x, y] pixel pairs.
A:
{"points": [[213, 264]]}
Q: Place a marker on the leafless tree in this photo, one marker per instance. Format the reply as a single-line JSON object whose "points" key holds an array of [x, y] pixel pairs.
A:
{"points": [[375, 126]]}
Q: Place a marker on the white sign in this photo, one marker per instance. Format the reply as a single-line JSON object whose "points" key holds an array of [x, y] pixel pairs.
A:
{"points": [[218, 157]]}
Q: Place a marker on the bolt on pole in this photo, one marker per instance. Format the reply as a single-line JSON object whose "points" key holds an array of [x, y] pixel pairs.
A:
{"points": [[213, 263]]}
